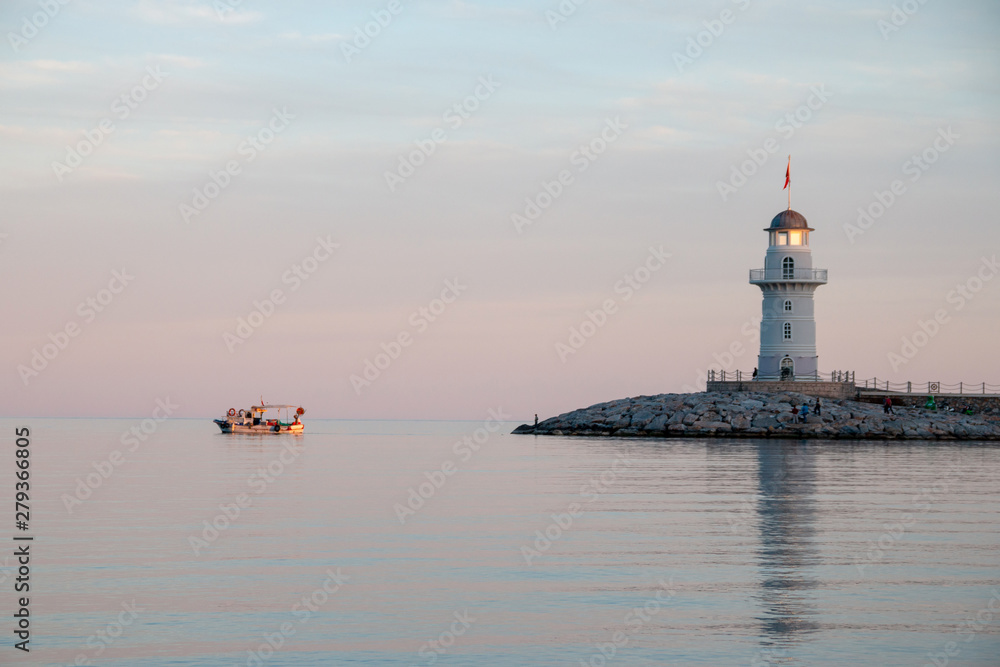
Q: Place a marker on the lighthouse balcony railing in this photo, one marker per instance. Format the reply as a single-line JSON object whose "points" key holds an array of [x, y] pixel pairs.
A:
{"points": [[797, 275]]}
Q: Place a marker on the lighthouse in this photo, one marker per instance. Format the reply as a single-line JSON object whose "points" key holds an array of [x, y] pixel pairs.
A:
{"points": [[788, 282]]}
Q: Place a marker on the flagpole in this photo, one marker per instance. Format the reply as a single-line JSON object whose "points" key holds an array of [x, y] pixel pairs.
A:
{"points": [[789, 182]]}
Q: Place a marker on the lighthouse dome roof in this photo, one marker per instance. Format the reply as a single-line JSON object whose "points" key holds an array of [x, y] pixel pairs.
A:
{"points": [[789, 220]]}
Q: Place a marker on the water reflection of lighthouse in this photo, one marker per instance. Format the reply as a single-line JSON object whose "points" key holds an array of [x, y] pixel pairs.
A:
{"points": [[786, 553]]}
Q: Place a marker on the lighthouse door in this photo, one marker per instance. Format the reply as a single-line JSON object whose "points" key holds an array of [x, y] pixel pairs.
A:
{"points": [[787, 369]]}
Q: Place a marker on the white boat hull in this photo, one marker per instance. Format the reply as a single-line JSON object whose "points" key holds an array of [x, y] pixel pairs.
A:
{"points": [[234, 426]]}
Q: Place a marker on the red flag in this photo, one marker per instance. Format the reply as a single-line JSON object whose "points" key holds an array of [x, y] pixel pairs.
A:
{"points": [[788, 173]]}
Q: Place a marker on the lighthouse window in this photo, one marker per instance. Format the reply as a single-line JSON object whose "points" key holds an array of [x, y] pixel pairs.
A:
{"points": [[788, 330], [788, 306], [794, 238], [782, 238], [787, 268]]}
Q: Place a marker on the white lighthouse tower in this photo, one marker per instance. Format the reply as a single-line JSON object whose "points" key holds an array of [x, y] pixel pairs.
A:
{"points": [[788, 282]]}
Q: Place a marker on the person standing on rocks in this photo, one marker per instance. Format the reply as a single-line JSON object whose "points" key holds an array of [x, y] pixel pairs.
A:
{"points": [[804, 413], [887, 406], [819, 408]]}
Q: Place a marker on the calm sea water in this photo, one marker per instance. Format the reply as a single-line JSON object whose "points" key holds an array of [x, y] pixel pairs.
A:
{"points": [[532, 551]]}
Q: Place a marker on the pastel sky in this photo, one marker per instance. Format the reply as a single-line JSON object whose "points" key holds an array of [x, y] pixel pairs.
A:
{"points": [[161, 95]]}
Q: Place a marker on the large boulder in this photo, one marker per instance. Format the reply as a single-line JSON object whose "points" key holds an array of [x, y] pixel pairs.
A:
{"points": [[623, 422], [765, 421], [642, 417], [715, 426], [677, 417], [657, 424]]}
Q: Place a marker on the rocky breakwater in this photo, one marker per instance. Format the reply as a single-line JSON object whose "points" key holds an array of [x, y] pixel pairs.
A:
{"points": [[759, 415]]}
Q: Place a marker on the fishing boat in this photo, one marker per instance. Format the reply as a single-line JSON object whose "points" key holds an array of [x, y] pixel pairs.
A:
{"points": [[255, 420]]}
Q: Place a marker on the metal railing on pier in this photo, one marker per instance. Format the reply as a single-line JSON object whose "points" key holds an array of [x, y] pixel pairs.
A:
{"points": [[870, 384], [931, 387]]}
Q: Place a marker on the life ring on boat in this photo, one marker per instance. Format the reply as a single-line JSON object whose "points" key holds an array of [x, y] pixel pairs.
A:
{"points": [[232, 412], [300, 411], [242, 412], [277, 428]]}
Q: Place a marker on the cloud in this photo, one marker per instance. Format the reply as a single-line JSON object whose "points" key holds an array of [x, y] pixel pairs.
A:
{"points": [[40, 72], [296, 36], [174, 12], [62, 65], [466, 10], [660, 134], [45, 135], [185, 62]]}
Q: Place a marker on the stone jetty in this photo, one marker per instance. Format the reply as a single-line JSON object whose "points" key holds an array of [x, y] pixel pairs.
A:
{"points": [[764, 415]]}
